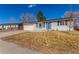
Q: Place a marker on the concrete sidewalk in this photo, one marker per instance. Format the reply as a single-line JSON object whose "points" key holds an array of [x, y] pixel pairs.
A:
{"points": [[11, 48], [4, 34]]}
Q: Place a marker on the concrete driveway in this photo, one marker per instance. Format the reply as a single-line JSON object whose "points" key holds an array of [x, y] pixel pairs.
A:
{"points": [[11, 48]]}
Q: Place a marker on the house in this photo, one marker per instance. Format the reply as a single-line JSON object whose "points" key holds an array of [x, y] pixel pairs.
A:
{"points": [[61, 24], [11, 26]]}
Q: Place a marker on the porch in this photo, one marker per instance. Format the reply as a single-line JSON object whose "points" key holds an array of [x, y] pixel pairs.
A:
{"points": [[42, 26]]}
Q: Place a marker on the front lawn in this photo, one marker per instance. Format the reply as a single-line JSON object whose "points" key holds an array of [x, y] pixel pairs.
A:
{"points": [[48, 42]]}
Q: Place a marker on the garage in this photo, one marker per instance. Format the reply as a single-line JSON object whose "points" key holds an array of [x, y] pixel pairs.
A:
{"points": [[30, 27]]}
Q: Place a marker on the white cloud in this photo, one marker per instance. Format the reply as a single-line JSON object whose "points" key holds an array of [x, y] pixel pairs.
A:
{"points": [[30, 6]]}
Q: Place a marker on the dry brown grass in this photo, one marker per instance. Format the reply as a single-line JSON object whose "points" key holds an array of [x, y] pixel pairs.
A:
{"points": [[49, 42]]}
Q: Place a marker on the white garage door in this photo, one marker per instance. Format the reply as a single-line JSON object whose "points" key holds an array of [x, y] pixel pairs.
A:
{"points": [[29, 27]]}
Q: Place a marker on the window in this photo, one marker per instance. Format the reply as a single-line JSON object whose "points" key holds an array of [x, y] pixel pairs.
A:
{"points": [[65, 22], [41, 25], [60, 23]]}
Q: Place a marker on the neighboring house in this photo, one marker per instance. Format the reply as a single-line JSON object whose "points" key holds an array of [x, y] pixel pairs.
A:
{"points": [[11, 26], [62, 24]]}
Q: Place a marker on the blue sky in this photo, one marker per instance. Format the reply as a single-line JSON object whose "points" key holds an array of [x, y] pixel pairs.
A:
{"points": [[49, 10]]}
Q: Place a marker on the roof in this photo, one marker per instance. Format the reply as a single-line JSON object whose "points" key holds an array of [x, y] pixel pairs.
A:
{"points": [[10, 23], [49, 20], [60, 19], [52, 20]]}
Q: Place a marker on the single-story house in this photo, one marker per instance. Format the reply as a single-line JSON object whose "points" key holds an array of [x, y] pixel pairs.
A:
{"points": [[61, 24]]}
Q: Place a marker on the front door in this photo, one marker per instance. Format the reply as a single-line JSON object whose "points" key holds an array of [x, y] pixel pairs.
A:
{"points": [[49, 25]]}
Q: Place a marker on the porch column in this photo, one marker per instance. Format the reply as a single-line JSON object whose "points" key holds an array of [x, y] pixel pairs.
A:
{"points": [[46, 25]]}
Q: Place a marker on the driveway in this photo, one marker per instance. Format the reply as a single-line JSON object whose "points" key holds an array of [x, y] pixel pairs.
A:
{"points": [[11, 48]]}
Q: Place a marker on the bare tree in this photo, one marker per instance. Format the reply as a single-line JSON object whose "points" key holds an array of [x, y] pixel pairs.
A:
{"points": [[75, 15], [27, 18], [68, 14], [22, 18]]}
